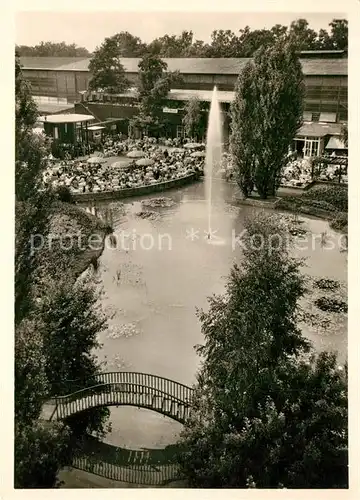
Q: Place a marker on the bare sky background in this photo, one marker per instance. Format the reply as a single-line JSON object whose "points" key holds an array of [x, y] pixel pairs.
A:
{"points": [[88, 29]]}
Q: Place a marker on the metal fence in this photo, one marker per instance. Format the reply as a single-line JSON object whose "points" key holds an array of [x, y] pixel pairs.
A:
{"points": [[149, 475]]}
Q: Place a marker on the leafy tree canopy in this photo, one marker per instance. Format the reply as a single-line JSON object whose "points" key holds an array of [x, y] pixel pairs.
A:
{"points": [[107, 71], [41, 450], [192, 119], [52, 49], [266, 414], [154, 84], [224, 43], [266, 113]]}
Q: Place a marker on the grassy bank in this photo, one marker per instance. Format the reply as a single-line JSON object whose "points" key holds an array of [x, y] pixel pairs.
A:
{"points": [[76, 240], [328, 202]]}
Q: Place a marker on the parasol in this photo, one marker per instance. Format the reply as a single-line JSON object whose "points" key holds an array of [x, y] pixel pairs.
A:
{"points": [[38, 131], [198, 154], [177, 150], [192, 145], [144, 162], [136, 154], [121, 164], [95, 160]]}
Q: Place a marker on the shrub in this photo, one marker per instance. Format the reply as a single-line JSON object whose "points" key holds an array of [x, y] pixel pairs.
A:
{"points": [[326, 284], [288, 203], [340, 222], [324, 205], [63, 194], [337, 196], [331, 305]]}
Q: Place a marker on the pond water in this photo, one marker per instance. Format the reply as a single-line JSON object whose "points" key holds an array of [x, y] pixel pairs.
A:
{"points": [[168, 269]]}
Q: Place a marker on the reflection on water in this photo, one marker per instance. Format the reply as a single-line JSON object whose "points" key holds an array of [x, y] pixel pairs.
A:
{"points": [[163, 272]]}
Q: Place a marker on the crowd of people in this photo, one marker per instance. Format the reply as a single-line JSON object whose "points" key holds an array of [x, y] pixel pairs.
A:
{"points": [[297, 172], [119, 145], [165, 164], [300, 172], [165, 160]]}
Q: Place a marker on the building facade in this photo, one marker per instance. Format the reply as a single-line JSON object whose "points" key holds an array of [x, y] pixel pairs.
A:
{"points": [[64, 81]]}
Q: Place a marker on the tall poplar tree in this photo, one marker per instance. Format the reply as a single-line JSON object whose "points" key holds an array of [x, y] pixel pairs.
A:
{"points": [[265, 115]]}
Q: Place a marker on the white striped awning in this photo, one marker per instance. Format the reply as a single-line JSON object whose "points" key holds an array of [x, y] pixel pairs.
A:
{"points": [[335, 143]]}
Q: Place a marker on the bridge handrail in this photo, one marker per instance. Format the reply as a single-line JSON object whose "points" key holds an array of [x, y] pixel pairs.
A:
{"points": [[68, 398], [146, 375], [158, 377]]}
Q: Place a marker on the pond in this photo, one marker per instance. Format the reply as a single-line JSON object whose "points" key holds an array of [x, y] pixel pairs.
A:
{"points": [[161, 270]]}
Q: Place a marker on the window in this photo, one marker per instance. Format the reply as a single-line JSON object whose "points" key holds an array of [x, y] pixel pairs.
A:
{"points": [[313, 106], [180, 131], [312, 147], [327, 117], [56, 133]]}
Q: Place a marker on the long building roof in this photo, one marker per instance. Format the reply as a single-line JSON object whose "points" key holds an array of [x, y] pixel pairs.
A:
{"points": [[222, 66]]}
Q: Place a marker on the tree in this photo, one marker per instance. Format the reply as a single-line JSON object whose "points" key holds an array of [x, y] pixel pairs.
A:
{"points": [[36, 449], [224, 43], [192, 118], [40, 450], [241, 139], [324, 41], [172, 46], [71, 322], [250, 41], [301, 36], [344, 134], [154, 84], [39, 453], [339, 34], [51, 49], [30, 378], [266, 113], [107, 71], [267, 413], [199, 49], [129, 45], [32, 203]]}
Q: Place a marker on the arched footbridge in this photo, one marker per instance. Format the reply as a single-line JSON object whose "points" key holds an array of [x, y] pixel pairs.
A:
{"points": [[142, 390]]}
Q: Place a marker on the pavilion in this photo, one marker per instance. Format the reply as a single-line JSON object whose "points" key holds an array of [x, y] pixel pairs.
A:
{"points": [[68, 128]]}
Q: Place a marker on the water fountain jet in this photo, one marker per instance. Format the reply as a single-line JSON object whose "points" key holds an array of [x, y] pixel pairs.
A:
{"points": [[213, 151]]}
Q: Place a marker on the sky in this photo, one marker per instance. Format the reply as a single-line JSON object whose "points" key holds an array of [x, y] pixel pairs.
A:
{"points": [[88, 29]]}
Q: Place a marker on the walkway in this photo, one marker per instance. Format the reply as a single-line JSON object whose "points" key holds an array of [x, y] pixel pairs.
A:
{"points": [[159, 394]]}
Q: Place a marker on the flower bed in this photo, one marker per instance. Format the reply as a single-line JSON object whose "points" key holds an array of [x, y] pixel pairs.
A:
{"points": [[326, 202], [331, 305], [327, 284], [336, 197], [161, 202]]}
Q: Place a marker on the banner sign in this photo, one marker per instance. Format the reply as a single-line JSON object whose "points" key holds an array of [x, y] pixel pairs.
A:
{"points": [[170, 110]]}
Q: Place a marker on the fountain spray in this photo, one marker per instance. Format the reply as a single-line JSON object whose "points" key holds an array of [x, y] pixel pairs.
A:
{"points": [[213, 151]]}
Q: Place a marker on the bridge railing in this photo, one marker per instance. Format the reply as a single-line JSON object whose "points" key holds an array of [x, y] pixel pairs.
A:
{"points": [[165, 385], [137, 474], [132, 383]]}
